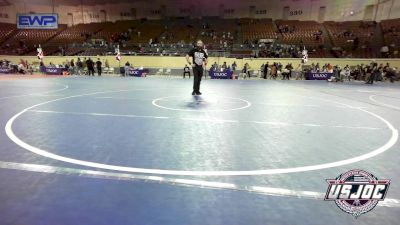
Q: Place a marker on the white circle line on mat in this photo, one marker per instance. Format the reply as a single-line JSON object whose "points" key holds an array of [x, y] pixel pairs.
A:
{"points": [[154, 102], [10, 133], [372, 98], [37, 94]]}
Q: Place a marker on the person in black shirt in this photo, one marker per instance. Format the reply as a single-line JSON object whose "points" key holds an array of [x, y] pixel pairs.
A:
{"points": [[98, 65], [371, 71], [266, 67], [90, 66], [199, 57], [72, 67], [79, 65]]}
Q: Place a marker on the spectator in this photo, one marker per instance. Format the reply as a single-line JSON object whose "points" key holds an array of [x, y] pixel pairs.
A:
{"points": [[186, 70], [98, 65], [274, 71], [79, 66], [289, 67], [224, 66], [107, 65], [215, 66], [72, 67], [127, 67], [90, 66], [385, 51], [234, 66], [299, 72], [265, 71]]}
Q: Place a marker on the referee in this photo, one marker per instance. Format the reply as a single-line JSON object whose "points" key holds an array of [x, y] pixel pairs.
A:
{"points": [[199, 57]]}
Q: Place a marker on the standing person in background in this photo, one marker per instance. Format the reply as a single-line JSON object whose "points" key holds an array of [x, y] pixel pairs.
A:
{"points": [[290, 68], [369, 78], [85, 65], [245, 70], [262, 70], [199, 58], [127, 67], [274, 71], [107, 65], [72, 67], [79, 66], [376, 73], [98, 66], [266, 68], [299, 72], [90, 66]]}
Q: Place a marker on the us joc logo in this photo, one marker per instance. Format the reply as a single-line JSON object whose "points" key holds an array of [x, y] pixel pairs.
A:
{"points": [[356, 191]]}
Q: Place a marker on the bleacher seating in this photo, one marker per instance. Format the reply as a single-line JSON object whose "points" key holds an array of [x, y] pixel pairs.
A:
{"points": [[6, 30], [172, 36], [344, 33], [93, 51], [76, 34], [49, 50], [391, 36], [218, 32], [112, 30], [307, 33], [25, 40], [182, 31], [150, 29], [391, 31], [255, 29]]}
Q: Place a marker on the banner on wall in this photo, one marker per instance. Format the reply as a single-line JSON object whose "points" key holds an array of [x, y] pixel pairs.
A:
{"points": [[266, 40], [226, 74], [318, 76], [37, 21]]}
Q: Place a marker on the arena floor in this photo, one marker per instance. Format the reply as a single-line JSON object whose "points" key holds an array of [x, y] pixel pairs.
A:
{"points": [[115, 150]]}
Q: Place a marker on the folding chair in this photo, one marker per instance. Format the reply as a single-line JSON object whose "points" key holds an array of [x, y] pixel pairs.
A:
{"points": [[160, 71], [168, 72]]}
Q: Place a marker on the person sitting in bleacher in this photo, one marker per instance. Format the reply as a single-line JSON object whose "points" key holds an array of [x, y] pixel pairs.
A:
{"points": [[186, 70], [391, 74], [234, 65], [30, 69], [21, 68], [336, 75], [214, 66], [224, 66], [345, 73]]}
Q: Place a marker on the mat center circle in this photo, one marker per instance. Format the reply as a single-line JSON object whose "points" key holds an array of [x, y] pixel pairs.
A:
{"points": [[208, 103]]}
